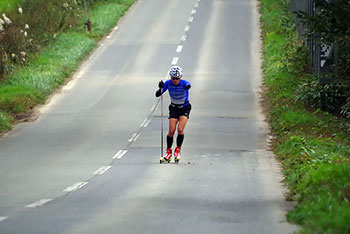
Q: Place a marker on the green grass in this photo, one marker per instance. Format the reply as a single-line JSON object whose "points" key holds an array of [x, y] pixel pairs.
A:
{"points": [[30, 85], [7, 5], [313, 146]]}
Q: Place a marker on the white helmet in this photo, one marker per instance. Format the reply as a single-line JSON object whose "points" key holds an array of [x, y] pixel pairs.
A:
{"points": [[175, 71]]}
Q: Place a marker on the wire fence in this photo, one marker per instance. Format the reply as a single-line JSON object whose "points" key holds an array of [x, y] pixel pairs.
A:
{"points": [[323, 56]]}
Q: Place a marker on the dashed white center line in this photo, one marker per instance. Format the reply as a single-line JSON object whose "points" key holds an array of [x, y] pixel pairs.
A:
{"points": [[183, 38], [3, 218], [146, 124], [102, 170], [133, 137], [190, 19], [193, 11], [174, 61], [154, 107], [120, 154], [179, 49], [75, 186], [143, 123], [136, 137], [196, 5], [187, 28], [39, 203]]}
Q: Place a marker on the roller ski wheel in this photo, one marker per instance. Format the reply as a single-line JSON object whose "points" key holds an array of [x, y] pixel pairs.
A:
{"points": [[177, 154], [164, 160], [167, 157]]}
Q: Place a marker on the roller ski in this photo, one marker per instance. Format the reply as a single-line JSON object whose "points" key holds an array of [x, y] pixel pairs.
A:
{"points": [[177, 154], [167, 157]]}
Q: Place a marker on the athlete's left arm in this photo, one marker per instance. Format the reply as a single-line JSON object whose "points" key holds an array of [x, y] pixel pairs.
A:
{"points": [[187, 85]]}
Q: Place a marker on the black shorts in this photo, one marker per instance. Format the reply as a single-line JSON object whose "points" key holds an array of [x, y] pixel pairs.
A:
{"points": [[175, 113]]}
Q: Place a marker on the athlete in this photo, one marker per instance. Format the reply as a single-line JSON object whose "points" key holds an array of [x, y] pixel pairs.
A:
{"points": [[179, 109]]}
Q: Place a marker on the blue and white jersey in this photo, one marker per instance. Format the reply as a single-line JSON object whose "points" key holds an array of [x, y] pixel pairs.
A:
{"points": [[178, 93]]}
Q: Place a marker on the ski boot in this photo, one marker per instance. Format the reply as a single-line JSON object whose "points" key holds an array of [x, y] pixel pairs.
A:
{"points": [[177, 154], [167, 157]]}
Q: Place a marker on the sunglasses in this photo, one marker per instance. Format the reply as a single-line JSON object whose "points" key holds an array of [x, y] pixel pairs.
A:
{"points": [[175, 78]]}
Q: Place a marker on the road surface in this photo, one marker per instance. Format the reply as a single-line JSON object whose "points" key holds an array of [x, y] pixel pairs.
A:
{"points": [[90, 162]]}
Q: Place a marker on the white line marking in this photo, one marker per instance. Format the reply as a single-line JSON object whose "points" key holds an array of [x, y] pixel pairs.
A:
{"points": [[146, 124], [75, 186], [196, 5], [136, 137], [133, 137], [109, 36], [174, 61], [116, 28], [154, 107], [39, 203], [120, 154], [3, 218], [102, 170], [143, 123], [183, 38], [194, 11], [187, 28], [190, 19], [179, 49]]}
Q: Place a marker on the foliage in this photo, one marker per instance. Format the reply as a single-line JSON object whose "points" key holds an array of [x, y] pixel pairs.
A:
{"points": [[32, 76], [331, 24], [313, 146]]}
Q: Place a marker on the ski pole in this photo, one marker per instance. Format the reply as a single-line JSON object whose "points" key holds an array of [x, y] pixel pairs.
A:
{"points": [[161, 128]]}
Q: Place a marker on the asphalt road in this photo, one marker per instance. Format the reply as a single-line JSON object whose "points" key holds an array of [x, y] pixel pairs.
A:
{"points": [[90, 162]]}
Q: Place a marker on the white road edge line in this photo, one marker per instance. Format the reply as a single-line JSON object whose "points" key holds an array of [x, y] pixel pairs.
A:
{"points": [[175, 60], [38, 203], [194, 11], [179, 48], [190, 19], [183, 38], [102, 170], [3, 218], [187, 28], [120, 154], [75, 186]]}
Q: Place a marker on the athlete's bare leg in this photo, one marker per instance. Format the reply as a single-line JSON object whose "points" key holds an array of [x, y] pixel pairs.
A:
{"points": [[172, 126], [182, 124]]}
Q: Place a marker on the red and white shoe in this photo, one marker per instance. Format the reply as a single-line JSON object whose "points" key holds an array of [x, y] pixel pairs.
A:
{"points": [[177, 154], [167, 156]]}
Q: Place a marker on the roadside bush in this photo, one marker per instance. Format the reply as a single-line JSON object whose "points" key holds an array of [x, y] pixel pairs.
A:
{"points": [[333, 98], [313, 145]]}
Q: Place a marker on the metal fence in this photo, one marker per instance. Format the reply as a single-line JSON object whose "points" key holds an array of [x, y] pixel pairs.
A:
{"points": [[323, 56]]}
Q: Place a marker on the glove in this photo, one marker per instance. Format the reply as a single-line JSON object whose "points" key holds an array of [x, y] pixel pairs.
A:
{"points": [[161, 84], [188, 86]]}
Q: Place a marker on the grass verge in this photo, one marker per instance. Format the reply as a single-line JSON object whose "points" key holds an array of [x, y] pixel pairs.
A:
{"points": [[8, 4], [30, 85], [313, 146]]}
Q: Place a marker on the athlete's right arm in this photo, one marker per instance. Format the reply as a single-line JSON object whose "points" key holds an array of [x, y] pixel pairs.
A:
{"points": [[160, 86], [159, 92]]}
